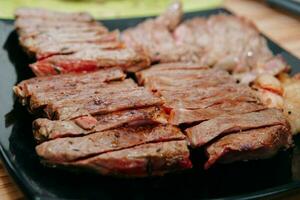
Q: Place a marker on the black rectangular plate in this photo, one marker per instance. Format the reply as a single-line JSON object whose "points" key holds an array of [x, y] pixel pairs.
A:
{"points": [[243, 180]]}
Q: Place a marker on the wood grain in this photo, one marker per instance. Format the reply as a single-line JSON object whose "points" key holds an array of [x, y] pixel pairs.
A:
{"points": [[280, 26]]}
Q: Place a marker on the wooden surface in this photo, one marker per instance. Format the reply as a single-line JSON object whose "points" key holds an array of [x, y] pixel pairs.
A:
{"points": [[280, 26]]}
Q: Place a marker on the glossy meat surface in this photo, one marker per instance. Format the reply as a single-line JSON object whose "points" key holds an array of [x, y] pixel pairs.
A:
{"points": [[253, 144], [70, 149], [153, 159]]}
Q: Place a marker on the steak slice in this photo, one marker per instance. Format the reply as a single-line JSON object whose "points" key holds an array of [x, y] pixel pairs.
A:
{"points": [[145, 76], [64, 82], [231, 43], [205, 96], [155, 159], [52, 15], [253, 144], [30, 25], [90, 60], [219, 36], [185, 116], [34, 27], [178, 83], [175, 79], [71, 149], [102, 104], [154, 36], [45, 129], [45, 51], [35, 45], [41, 99], [175, 66], [206, 131]]}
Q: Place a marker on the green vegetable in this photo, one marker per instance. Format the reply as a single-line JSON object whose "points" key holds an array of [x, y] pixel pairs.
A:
{"points": [[105, 8]]}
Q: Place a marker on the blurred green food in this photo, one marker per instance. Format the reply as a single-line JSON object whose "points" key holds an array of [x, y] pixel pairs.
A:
{"points": [[105, 8]]}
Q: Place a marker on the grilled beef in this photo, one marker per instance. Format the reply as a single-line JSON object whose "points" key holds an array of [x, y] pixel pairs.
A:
{"points": [[65, 43], [253, 144], [222, 107], [173, 66], [70, 149], [45, 51], [98, 104], [206, 131], [109, 124], [25, 25], [90, 60], [70, 96], [45, 129], [222, 41], [52, 15], [229, 42], [186, 73], [26, 88], [154, 159], [186, 116], [35, 27], [43, 98], [154, 36], [68, 43], [211, 97], [173, 80], [199, 91]]}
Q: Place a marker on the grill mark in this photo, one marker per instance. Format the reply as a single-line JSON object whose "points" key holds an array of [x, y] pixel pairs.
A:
{"points": [[123, 148]]}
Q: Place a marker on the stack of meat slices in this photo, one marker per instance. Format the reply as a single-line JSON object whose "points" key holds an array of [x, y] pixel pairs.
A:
{"points": [[103, 122], [225, 117], [222, 41], [72, 42]]}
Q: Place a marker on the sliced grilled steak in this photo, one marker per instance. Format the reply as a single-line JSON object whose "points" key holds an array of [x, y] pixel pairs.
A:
{"points": [[98, 104], [65, 82], [25, 25], [35, 45], [198, 94], [35, 27], [175, 66], [167, 84], [219, 36], [150, 38], [45, 129], [228, 42], [43, 98], [253, 144], [206, 131], [52, 15], [201, 99], [70, 149], [185, 116], [43, 52], [140, 161], [154, 36], [185, 81], [90, 60], [174, 76], [177, 72]]}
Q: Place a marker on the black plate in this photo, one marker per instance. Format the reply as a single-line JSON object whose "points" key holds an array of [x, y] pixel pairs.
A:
{"points": [[290, 5], [244, 180]]}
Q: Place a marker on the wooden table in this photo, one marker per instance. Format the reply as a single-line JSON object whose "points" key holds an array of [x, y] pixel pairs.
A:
{"points": [[280, 26]]}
